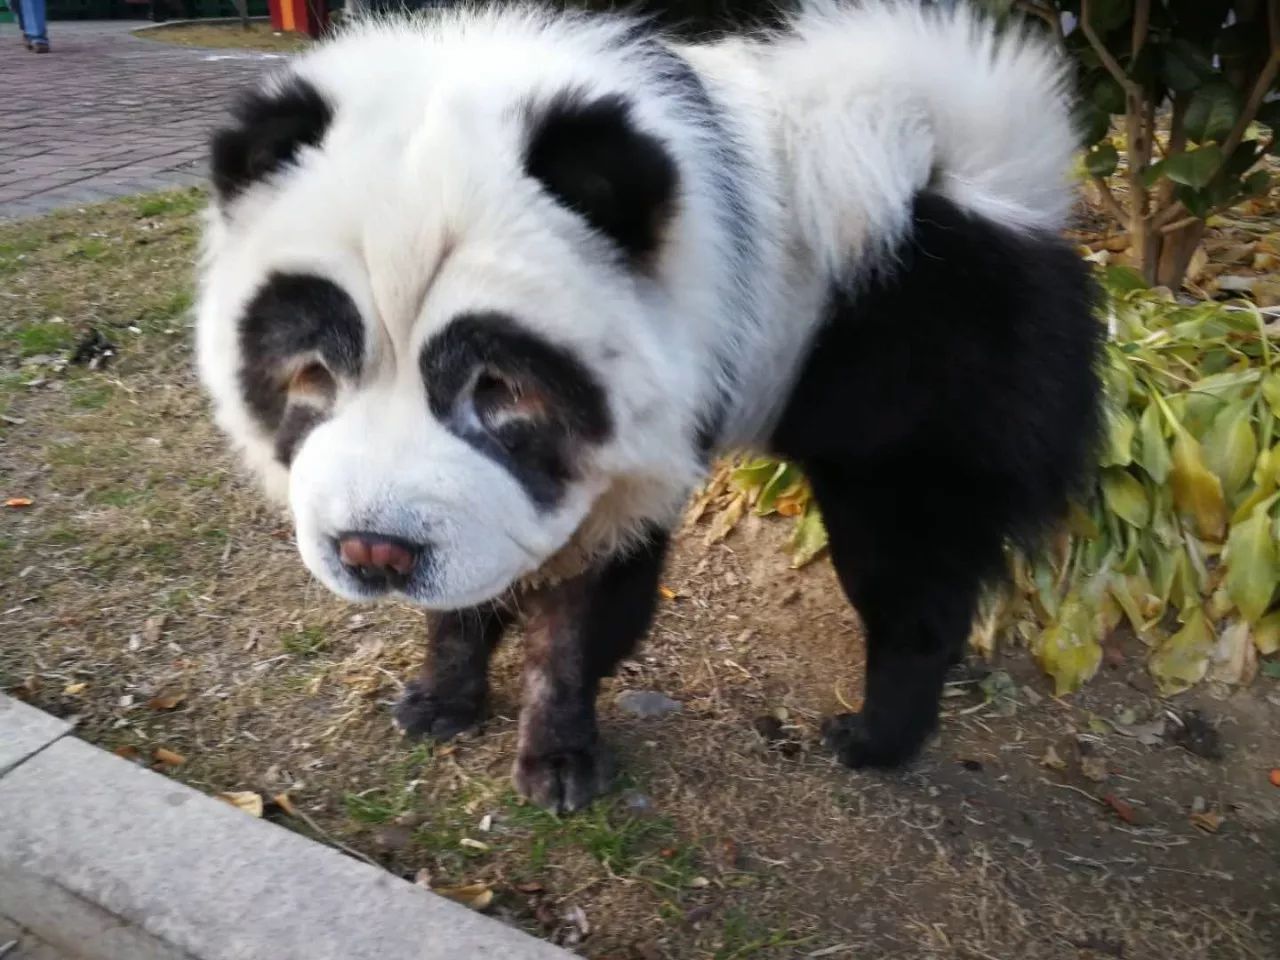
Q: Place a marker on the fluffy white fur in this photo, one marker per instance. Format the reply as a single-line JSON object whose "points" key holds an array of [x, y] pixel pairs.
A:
{"points": [[416, 205]]}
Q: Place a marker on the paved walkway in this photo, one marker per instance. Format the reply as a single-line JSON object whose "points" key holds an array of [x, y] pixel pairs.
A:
{"points": [[107, 114]]}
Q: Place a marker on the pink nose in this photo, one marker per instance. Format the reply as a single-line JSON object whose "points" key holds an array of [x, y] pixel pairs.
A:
{"points": [[372, 556]]}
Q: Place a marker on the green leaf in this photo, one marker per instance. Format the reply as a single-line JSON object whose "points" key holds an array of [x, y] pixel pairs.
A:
{"points": [[1153, 450], [1256, 184], [1068, 649], [1152, 173], [1212, 111], [1120, 280], [1107, 94], [1266, 634], [1197, 492], [1120, 433], [1194, 168], [1091, 122], [1253, 568], [1230, 446], [754, 474], [1183, 67], [783, 481], [1125, 497], [1101, 160], [1181, 660], [1271, 391], [810, 537]]}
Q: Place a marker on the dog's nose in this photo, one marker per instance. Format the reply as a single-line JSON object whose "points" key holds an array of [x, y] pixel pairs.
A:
{"points": [[376, 559]]}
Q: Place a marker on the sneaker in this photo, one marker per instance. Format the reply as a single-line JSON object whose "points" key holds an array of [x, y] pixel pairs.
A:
{"points": [[40, 46]]}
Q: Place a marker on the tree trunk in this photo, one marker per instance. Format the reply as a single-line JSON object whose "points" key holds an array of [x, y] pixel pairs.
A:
{"points": [[1176, 250], [242, 8]]}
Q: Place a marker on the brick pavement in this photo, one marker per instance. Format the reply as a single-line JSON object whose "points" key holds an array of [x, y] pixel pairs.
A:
{"points": [[107, 114]]}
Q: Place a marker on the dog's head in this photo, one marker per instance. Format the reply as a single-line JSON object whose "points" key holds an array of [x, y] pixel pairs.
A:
{"points": [[436, 309]]}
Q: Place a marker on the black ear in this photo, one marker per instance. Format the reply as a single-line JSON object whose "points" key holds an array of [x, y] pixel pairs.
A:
{"points": [[590, 157], [270, 128]]}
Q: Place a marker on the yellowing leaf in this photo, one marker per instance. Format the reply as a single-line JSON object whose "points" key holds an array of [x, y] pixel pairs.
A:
{"points": [[1253, 568], [1153, 449], [477, 896], [809, 539], [666, 592], [285, 803], [1120, 433], [727, 519], [17, 502], [1182, 659], [168, 758], [1235, 661], [75, 689], [167, 701], [246, 800], [1230, 447], [1125, 497], [1068, 650], [1271, 391], [1197, 492], [1266, 634]]}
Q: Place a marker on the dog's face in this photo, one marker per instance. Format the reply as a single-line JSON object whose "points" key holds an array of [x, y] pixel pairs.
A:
{"points": [[430, 324]]}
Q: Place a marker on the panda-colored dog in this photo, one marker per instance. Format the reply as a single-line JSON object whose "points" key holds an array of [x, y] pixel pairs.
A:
{"points": [[485, 291]]}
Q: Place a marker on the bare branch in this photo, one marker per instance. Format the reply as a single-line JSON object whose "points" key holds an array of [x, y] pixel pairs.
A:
{"points": [[1047, 14], [1108, 61], [1109, 201]]}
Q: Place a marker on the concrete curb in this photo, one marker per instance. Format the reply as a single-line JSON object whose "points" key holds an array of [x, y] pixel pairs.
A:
{"points": [[104, 860]]}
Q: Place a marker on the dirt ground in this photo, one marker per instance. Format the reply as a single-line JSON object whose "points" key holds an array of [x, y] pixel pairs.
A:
{"points": [[148, 592]]}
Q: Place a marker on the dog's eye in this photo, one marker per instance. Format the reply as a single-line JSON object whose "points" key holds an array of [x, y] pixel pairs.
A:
{"points": [[499, 399]]}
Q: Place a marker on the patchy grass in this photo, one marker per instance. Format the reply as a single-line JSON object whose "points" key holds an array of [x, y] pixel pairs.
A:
{"points": [[219, 36], [147, 568]]}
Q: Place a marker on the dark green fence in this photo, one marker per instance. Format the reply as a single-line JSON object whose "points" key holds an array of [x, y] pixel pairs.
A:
{"points": [[172, 9]]}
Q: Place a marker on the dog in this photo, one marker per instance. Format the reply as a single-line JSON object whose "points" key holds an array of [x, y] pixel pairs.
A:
{"points": [[485, 291]]}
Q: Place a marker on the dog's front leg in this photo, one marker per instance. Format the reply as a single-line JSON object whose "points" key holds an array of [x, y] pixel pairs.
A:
{"points": [[577, 632]]}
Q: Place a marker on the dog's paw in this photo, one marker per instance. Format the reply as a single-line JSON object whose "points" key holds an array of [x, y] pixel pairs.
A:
{"points": [[850, 739], [420, 713], [564, 780]]}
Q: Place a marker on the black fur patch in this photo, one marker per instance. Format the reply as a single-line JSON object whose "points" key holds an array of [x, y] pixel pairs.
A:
{"points": [[591, 157], [269, 130], [948, 405], [463, 365], [297, 421], [290, 317]]}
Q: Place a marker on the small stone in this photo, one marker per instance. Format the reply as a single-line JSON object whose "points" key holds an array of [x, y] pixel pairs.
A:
{"points": [[646, 704], [393, 837], [637, 804]]}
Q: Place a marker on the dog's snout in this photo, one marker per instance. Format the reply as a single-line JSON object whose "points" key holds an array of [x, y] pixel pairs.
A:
{"points": [[376, 559]]}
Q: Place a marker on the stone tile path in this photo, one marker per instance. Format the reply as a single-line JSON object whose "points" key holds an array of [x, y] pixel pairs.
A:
{"points": [[108, 114]]}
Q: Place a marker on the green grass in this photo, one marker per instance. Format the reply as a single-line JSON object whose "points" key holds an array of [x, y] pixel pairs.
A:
{"points": [[308, 642], [44, 338], [181, 203]]}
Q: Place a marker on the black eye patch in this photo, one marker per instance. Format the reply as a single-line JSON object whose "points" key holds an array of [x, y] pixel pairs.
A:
{"points": [[291, 321], [526, 403]]}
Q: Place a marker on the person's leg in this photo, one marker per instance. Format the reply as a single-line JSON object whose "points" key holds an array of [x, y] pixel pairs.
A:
{"points": [[33, 24]]}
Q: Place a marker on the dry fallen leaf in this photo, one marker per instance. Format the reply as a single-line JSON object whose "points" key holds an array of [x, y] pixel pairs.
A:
{"points": [[1123, 809], [1275, 777], [246, 800], [667, 593], [152, 629], [727, 519], [1095, 768], [19, 502], [534, 887], [1052, 760], [168, 757], [477, 896], [73, 689], [1207, 821], [283, 801], [473, 844], [167, 701], [126, 752]]}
